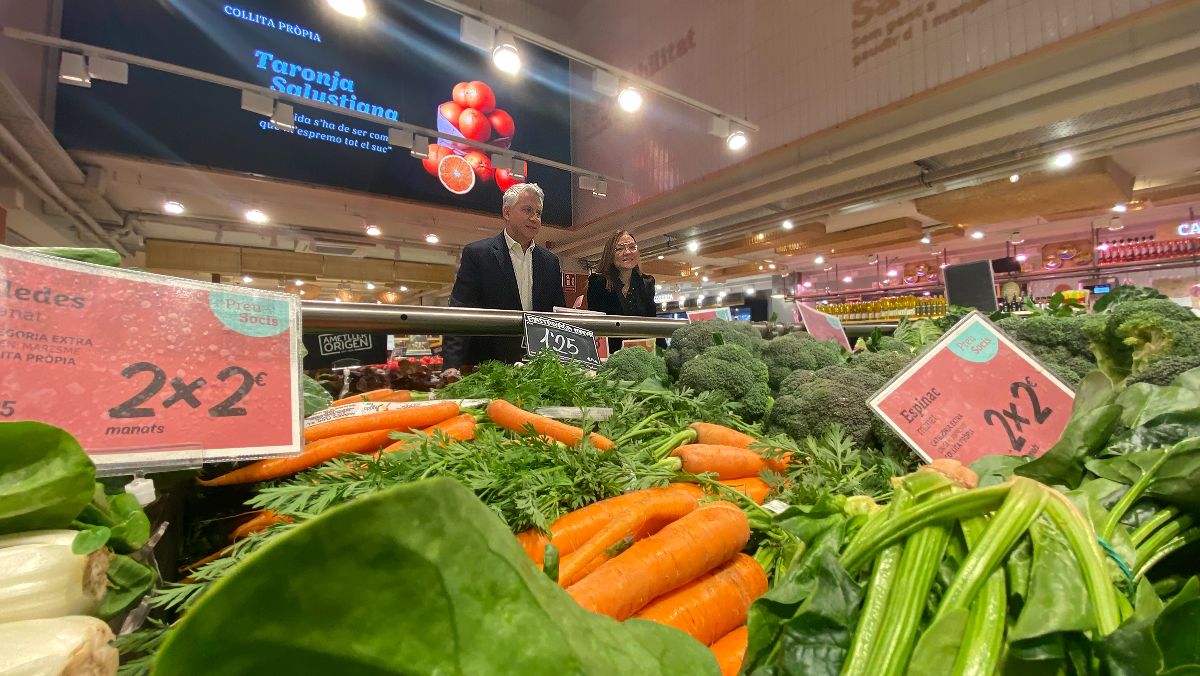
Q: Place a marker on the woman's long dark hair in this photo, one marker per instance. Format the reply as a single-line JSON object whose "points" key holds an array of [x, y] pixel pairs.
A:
{"points": [[608, 263]]}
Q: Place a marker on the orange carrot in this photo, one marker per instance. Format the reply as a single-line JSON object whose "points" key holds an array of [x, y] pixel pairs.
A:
{"points": [[534, 543], [728, 462], [517, 419], [571, 530], [679, 553], [730, 650], [637, 521], [461, 427], [401, 419], [224, 551], [713, 604], [384, 394], [262, 519], [752, 487], [314, 454], [708, 433]]}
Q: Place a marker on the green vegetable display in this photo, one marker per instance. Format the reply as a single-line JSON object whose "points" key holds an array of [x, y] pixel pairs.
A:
{"points": [[439, 587], [798, 352], [691, 340], [635, 365], [45, 477], [84, 255], [316, 398], [734, 372]]}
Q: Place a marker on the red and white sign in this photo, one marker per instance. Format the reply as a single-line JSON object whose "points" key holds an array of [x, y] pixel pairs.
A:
{"points": [[148, 371], [975, 393], [718, 313], [822, 326]]}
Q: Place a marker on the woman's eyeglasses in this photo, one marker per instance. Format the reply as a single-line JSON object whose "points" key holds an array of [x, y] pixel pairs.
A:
{"points": [[631, 248]]}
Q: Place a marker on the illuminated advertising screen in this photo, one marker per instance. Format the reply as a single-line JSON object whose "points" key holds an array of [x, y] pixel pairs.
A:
{"points": [[403, 62]]}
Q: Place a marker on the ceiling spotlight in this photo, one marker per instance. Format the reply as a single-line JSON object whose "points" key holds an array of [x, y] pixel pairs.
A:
{"points": [[299, 282], [892, 273], [1119, 207], [943, 266], [819, 260], [693, 246], [926, 239], [749, 290], [403, 288], [73, 70], [660, 257], [370, 286], [256, 216], [355, 9], [770, 266], [431, 239], [847, 279], [1115, 224], [704, 279], [788, 224], [736, 141], [505, 55], [978, 234], [373, 231], [1064, 160], [872, 259], [246, 279], [1021, 258], [807, 285], [1016, 237], [173, 207], [630, 100], [1014, 178]]}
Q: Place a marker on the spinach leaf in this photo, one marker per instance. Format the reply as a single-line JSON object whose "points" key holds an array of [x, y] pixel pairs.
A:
{"points": [[121, 514], [1158, 432], [1144, 402], [128, 582], [996, 469], [1084, 436], [938, 646], [1057, 599], [1177, 628], [316, 397], [1175, 481], [421, 578], [45, 477], [1132, 649]]}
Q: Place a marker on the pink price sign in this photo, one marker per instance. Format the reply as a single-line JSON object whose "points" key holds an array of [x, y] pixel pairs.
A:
{"points": [[975, 393], [148, 371], [822, 326]]}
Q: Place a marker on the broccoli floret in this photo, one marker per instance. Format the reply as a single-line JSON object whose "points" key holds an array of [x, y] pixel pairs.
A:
{"points": [[634, 364], [796, 380], [890, 344], [691, 340], [885, 364], [853, 376], [733, 371], [1058, 342], [1166, 370], [1131, 335], [813, 407], [798, 351], [1069, 366]]}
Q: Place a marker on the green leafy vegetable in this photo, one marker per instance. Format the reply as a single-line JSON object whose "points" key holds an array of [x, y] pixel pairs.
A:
{"points": [[128, 582], [121, 515], [543, 381], [439, 586], [85, 255], [45, 477], [316, 397]]}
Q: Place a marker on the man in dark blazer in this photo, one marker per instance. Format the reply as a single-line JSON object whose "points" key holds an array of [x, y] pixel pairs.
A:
{"points": [[506, 272]]}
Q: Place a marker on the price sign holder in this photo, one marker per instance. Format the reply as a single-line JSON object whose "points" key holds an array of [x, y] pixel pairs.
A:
{"points": [[975, 393], [148, 372], [822, 326], [717, 313], [568, 341]]}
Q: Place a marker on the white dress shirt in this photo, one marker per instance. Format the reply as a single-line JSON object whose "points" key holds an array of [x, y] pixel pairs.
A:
{"points": [[522, 262]]}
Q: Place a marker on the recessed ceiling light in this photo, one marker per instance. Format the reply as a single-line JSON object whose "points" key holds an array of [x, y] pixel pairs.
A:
{"points": [[256, 216], [431, 238], [1014, 178], [788, 224], [1119, 207], [660, 257], [246, 279], [173, 207], [892, 273], [771, 266], [926, 239], [819, 260], [749, 290], [847, 279], [403, 288], [373, 231], [1021, 258], [370, 286], [736, 141], [355, 9], [299, 282], [693, 246], [978, 234], [629, 100], [704, 279], [1064, 160], [807, 285]]}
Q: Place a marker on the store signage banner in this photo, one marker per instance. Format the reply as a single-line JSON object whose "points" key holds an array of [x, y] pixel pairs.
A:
{"points": [[822, 326], [146, 371], [326, 350], [570, 342], [975, 393], [718, 313]]}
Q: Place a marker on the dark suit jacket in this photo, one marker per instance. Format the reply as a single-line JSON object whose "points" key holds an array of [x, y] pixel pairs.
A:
{"points": [[600, 299], [486, 279]]}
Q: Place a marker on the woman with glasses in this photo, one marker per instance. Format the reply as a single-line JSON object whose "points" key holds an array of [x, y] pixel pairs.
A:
{"points": [[618, 287]]}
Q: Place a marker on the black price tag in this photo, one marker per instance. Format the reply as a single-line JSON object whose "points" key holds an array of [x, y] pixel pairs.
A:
{"points": [[569, 342]]}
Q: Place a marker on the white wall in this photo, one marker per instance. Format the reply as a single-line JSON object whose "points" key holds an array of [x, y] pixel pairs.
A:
{"points": [[789, 66]]}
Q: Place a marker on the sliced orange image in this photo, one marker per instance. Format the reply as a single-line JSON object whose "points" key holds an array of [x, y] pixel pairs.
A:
{"points": [[456, 174]]}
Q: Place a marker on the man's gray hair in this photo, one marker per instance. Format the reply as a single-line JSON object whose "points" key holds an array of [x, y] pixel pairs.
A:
{"points": [[514, 193]]}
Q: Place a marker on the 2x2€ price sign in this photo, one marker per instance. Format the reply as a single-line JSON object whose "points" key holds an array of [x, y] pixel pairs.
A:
{"points": [[975, 393], [571, 343], [148, 372]]}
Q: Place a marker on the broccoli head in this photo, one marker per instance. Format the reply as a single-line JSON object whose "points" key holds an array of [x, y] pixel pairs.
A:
{"points": [[891, 344], [798, 351], [1058, 342], [1166, 370], [1130, 336], [796, 380], [634, 364], [885, 364], [734, 372], [853, 376], [691, 340], [811, 408]]}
